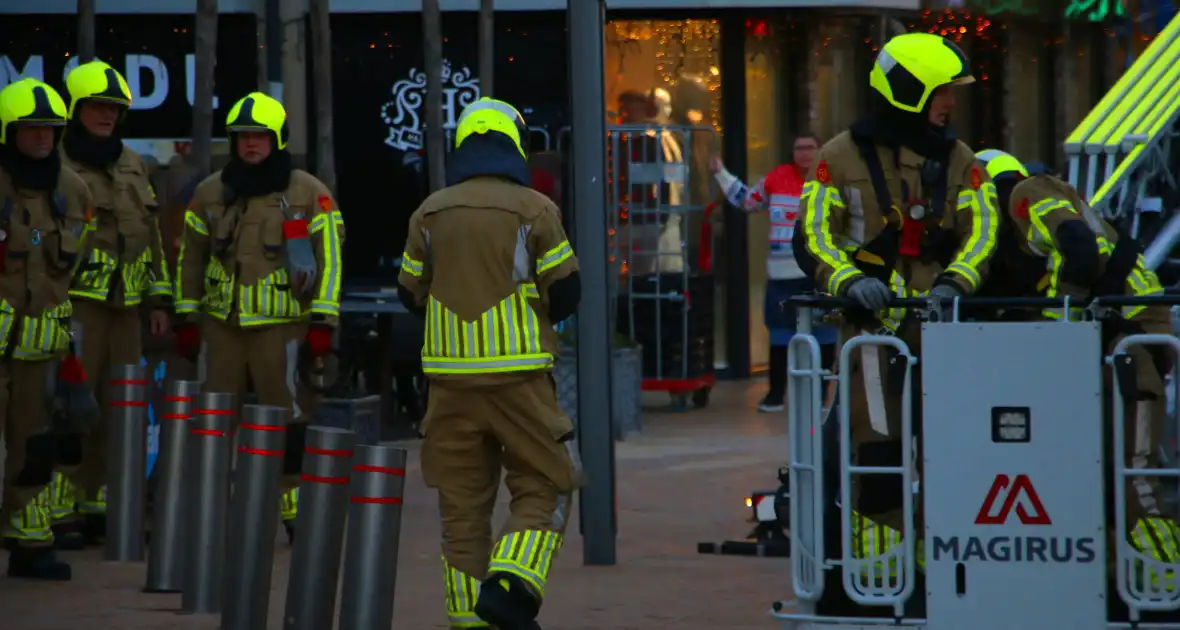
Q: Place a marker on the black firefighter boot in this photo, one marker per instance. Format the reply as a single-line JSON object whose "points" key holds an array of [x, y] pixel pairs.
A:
{"points": [[94, 528], [35, 563], [69, 536], [506, 603]]}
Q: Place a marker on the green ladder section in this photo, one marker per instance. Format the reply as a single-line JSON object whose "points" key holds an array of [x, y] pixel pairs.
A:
{"points": [[1125, 141]]}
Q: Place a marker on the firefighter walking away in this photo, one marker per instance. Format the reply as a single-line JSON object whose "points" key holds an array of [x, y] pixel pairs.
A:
{"points": [[895, 206], [44, 221], [489, 266], [124, 270], [261, 261]]}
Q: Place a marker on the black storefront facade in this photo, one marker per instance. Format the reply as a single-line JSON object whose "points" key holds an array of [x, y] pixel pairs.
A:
{"points": [[765, 73]]}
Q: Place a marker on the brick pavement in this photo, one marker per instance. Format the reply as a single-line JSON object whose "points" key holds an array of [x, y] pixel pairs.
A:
{"points": [[679, 483]]}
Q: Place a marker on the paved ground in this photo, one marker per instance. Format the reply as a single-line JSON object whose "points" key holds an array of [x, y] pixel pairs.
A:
{"points": [[681, 482]]}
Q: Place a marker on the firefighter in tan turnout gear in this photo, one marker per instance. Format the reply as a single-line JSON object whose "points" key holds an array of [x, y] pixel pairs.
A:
{"points": [[491, 268], [124, 271], [261, 260], [895, 206], [1086, 257], [45, 213]]}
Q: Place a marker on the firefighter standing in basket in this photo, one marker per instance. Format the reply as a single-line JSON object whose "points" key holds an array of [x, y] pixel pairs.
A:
{"points": [[124, 270], [44, 220], [1083, 257], [488, 263], [261, 260], [895, 206]]}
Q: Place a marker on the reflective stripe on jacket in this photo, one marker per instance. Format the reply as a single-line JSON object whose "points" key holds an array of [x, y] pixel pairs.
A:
{"points": [[480, 258], [126, 262], [231, 264]]}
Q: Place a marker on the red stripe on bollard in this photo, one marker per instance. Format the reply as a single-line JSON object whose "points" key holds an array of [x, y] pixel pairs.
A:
{"points": [[212, 432], [261, 427], [175, 416], [380, 500], [397, 472], [125, 381], [213, 412], [177, 399], [318, 479], [128, 403], [259, 451], [329, 452]]}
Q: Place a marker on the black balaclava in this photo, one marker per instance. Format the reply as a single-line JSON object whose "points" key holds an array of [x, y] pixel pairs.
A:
{"points": [[887, 125], [26, 172], [244, 180], [89, 149]]}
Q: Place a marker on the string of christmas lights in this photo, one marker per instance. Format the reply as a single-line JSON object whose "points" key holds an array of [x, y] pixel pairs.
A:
{"points": [[684, 50]]}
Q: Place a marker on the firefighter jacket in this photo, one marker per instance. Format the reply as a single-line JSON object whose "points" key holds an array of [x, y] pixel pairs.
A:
{"points": [[231, 263], [893, 215], [481, 256], [126, 261], [1084, 255], [42, 240]]}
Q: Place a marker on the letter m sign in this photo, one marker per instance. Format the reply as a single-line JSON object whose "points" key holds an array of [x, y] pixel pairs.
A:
{"points": [[1019, 494]]}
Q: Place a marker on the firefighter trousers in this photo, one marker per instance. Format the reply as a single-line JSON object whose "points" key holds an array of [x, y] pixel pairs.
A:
{"points": [[875, 432], [1151, 526], [25, 388], [267, 358], [104, 336], [470, 435]]}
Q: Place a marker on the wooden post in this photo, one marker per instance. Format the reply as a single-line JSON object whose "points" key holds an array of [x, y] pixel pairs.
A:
{"points": [[487, 46], [86, 31], [206, 53], [321, 64], [435, 135]]}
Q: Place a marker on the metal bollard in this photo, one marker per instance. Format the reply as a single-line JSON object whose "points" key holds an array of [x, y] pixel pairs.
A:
{"points": [[206, 483], [254, 518], [165, 552], [127, 459], [323, 499], [374, 529]]}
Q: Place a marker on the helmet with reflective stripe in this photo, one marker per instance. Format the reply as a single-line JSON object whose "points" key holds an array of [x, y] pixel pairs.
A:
{"points": [[911, 66], [259, 112], [486, 115], [99, 81], [999, 163], [30, 102]]}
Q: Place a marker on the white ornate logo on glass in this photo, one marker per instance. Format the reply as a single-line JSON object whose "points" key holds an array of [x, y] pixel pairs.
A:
{"points": [[403, 115]]}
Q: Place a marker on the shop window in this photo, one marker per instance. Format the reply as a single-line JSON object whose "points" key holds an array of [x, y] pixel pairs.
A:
{"points": [[978, 117], [662, 72], [766, 105]]}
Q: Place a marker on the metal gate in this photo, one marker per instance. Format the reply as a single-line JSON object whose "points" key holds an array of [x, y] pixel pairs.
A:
{"points": [[659, 186]]}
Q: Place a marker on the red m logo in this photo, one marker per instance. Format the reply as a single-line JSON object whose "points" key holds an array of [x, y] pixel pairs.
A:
{"points": [[1015, 490]]}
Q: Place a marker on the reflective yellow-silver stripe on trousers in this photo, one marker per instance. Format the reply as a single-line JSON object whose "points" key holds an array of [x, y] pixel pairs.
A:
{"points": [[505, 338], [60, 497], [817, 202], [183, 304], [1141, 282], [871, 539], [985, 226], [1159, 539], [327, 295], [289, 504], [462, 593], [527, 555], [32, 523]]}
